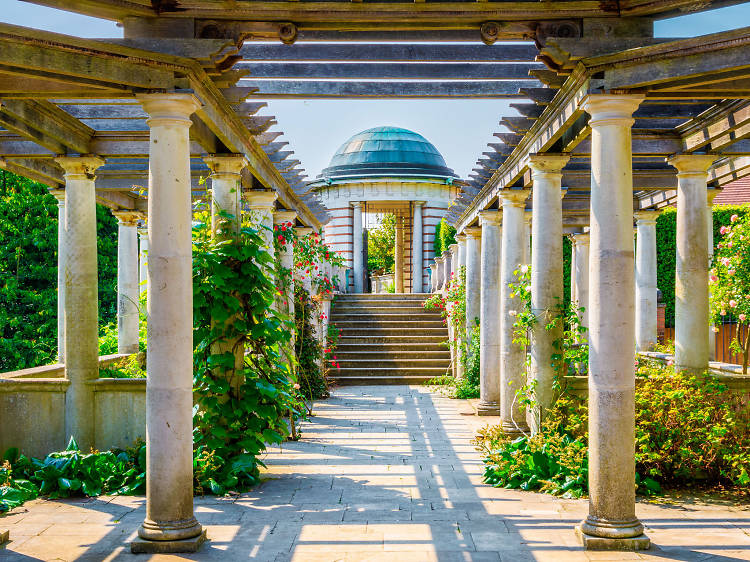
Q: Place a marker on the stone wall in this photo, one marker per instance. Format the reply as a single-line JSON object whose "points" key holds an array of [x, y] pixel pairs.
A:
{"points": [[32, 409]]}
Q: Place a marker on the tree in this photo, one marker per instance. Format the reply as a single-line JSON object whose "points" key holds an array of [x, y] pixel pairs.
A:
{"points": [[730, 282], [381, 242]]}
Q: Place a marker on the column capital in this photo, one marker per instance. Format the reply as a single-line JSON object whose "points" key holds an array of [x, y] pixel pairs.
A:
{"points": [[127, 217], [490, 217], [692, 163], [461, 237], [168, 108], [439, 259], [712, 192], [225, 164], [143, 231], [646, 217], [609, 109], [547, 163], [418, 203], [473, 232], [581, 238], [453, 248], [284, 216], [260, 200], [58, 194], [84, 166], [356, 204], [514, 197]]}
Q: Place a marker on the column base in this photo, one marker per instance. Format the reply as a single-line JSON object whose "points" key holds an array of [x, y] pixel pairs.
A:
{"points": [[146, 546], [590, 542], [4, 536], [511, 430], [488, 409]]}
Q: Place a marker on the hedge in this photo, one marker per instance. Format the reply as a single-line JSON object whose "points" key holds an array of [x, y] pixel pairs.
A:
{"points": [[445, 235], [28, 272]]}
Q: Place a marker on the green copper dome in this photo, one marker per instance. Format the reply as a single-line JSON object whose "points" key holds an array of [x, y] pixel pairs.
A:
{"points": [[386, 151]]}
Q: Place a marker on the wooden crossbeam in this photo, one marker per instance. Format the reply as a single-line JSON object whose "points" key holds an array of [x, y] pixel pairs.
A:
{"points": [[45, 123], [394, 90], [413, 71], [310, 52]]}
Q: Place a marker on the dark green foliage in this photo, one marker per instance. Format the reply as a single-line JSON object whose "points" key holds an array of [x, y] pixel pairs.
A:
{"points": [[445, 235], [308, 350], [666, 248], [28, 272], [567, 262], [238, 408], [71, 472], [381, 242]]}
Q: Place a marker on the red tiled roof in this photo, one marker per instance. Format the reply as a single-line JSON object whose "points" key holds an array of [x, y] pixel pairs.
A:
{"points": [[735, 193]]}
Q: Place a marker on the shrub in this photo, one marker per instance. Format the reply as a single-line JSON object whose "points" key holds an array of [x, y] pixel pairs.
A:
{"points": [[309, 352], [445, 235], [381, 242]]}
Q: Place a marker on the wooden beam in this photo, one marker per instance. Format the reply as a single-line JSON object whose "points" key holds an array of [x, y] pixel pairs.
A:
{"points": [[393, 90], [377, 70]]}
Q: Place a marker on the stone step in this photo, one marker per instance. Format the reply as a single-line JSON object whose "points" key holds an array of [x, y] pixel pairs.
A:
{"points": [[416, 325], [385, 317], [383, 296], [379, 339], [393, 363], [388, 352], [380, 310], [357, 380], [379, 331]]}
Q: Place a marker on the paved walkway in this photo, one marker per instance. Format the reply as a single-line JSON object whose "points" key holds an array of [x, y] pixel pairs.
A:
{"points": [[382, 473]]}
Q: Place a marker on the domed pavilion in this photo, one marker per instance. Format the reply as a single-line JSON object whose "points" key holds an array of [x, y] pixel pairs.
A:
{"points": [[386, 170]]}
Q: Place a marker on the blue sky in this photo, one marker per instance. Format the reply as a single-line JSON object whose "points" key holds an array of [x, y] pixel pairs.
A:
{"points": [[460, 129]]}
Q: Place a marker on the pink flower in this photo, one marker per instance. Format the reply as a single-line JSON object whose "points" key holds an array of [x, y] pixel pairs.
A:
{"points": [[734, 218], [732, 303], [730, 272], [725, 262], [670, 363], [724, 230], [296, 386], [714, 279], [715, 329], [742, 317], [723, 313]]}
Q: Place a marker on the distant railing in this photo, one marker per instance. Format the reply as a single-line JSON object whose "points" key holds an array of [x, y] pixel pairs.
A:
{"points": [[724, 338]]}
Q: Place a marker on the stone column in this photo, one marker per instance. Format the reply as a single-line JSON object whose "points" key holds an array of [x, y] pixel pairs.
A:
{"points": [[473, 277], [358, 258], [417, 250], [81, 297], [461, 238], [489, 331], [512, 356], [710, 233], [447, 267], [127, 281], [645, 280], [453, 252], [546, 274], [226, 189], [169, 386], [439, 273], [581, 275], [59, 194], [261, 206], [398, 251], [611, 522], [527, 216], [433, 276], [143, 260], [691, 282]]}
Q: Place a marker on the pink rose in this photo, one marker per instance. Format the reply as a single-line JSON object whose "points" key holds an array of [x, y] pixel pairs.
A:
{"points": [[670, 363], [742, 317], [296, 386], [734, 218], [732, 303], [713, 279], [723, 313], [725, 262], [730, 272], [723, 230]]}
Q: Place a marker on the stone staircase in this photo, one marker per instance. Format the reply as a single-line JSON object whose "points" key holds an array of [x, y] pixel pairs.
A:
{"points": [[388, 339]]}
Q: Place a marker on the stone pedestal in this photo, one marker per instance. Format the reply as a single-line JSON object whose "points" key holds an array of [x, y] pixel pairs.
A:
{"points": [[645, 281], [439, 273], [128, 317], [473, 277], [546, 274], [81, 297], [59, 194], [489, 332], [512, 356], [417, 251], [170, 524], [611, 518], [358, 258], [691, 281]]}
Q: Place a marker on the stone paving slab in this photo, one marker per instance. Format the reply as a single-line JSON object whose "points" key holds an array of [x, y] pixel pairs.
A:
{"points": [[381, 474]]}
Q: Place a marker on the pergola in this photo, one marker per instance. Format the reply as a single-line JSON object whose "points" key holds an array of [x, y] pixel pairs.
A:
{"points": [[621, 121]]}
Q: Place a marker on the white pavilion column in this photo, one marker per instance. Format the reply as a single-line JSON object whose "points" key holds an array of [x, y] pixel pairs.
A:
{"points": [[611, 522], [398, 250], [81, 297], [512, 356], [581, 275], [691, 282], [127, 281], [527, 216], [59, 194], [473, 277], [142, 260], [489, 331], [226, 189], [645, 280], [546, 273], [439, 273], [417, 251], [710, 233], [358, 259], [461, 239], [169, 386]]}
